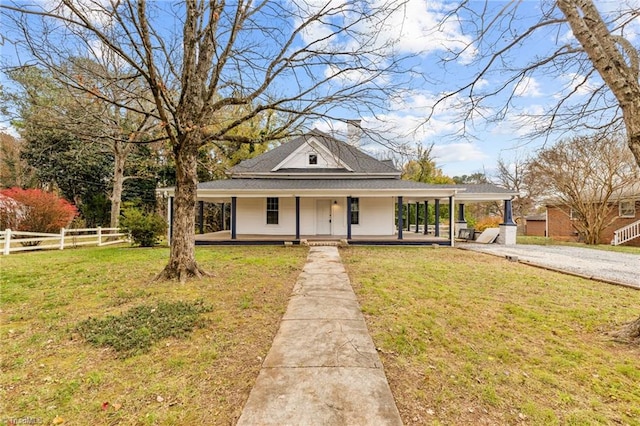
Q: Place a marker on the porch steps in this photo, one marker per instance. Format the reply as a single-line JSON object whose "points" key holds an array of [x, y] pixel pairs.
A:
{"points": [[626, 233], [328, 243]]}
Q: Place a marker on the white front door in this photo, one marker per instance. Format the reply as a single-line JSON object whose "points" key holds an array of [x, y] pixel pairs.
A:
{"points": [[323, 217]]}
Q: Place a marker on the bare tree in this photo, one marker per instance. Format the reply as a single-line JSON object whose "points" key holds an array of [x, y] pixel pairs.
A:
{"points": [[614, 57], [596, 64], [302, 60], [599, 48], [515, 175], [583, 176]]}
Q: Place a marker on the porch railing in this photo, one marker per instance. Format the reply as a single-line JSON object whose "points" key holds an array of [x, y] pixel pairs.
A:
{"points": [[626, 233]]}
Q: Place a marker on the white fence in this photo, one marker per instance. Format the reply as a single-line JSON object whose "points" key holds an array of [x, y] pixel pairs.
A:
{"points": [[12, 241]]}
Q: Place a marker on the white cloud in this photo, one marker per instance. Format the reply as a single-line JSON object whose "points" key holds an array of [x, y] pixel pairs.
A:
{"points": [[522, 123], [352, 77], [458, 152], [415, 27], [420, 27], [528, 87], [98, 12], [6, 127], [576, 83]]}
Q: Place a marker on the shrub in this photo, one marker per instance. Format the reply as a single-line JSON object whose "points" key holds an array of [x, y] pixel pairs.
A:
{"points": [[35, 210], [144, 228], [488, 222]]}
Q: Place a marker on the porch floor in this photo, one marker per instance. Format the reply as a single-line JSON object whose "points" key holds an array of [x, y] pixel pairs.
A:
{"points": [[409, 238]]}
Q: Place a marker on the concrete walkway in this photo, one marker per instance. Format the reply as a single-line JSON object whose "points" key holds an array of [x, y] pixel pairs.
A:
{"points": [[323, 368]]}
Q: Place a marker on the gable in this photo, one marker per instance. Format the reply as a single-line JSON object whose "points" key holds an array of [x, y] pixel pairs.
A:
{"points": [[334, 159], [312, 155]]}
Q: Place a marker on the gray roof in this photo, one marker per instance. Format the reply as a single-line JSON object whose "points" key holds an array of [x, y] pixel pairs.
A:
{"points": [[414, 191], [320, 184], [484, 188], [357, 160]]}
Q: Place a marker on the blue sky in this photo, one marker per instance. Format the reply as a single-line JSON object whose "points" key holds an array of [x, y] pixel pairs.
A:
{"points": [[419, 30], [485, 140]]}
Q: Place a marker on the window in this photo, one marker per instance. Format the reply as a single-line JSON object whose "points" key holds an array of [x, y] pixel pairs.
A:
{"points": [[627, 208], [272, 211], [574, 214], [313, 159], [355, 211]]}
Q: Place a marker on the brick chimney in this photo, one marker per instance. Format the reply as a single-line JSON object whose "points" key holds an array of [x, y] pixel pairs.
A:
{"points": [[354, 132]]}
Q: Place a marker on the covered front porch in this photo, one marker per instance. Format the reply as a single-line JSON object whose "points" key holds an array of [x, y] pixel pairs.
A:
{"points": [[409, 238], [357, 211]]}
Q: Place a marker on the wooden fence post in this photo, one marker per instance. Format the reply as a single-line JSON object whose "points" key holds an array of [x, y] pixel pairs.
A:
{"points": [[61, 238], [99, 236], [7, 242]]}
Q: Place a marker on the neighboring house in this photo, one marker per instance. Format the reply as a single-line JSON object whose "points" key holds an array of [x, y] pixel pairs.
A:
{"points": [[536, 225], [318, 186], [625, 213]]}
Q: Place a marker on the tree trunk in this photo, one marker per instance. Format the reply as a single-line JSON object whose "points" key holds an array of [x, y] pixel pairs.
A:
{"points": [[615, 59], [182, 260], [120, 157], [632, 124], [629, 333]]}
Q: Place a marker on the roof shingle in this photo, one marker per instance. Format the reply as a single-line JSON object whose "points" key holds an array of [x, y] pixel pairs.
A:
{"points": [[357, 160]]}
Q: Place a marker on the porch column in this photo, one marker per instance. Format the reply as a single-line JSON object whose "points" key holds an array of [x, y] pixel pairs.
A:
{"points": [[233, 217], [417, 217], [348, 218], [437, 224], [297, 218], [461, 222], [508, 213], [400, 213], [170, 220], [461, 218], [201, 215], [224, 217], [508, 229], [426, 217], [408, 216], [452, 232]]}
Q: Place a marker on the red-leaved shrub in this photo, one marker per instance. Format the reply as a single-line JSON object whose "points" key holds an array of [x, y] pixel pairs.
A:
{"points": [[34, 210]]}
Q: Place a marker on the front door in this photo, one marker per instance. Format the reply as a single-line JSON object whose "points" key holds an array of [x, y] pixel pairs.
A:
{"points": [[323, 217]]}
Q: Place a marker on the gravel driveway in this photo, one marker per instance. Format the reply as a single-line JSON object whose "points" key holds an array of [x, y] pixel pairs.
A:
{"points": [[621, 268]]}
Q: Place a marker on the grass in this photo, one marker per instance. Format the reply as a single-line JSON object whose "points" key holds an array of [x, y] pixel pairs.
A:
{"points": [[137, 330], [467, 338], [544, 241], [196, 366]]}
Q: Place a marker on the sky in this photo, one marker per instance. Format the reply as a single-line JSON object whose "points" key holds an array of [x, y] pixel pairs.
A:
{"points": [[486, 139], [445, 56]]}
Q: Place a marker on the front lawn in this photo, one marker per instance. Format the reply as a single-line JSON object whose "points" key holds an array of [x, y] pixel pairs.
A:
{"points": [[465, 338], [468, 338], [220, 329]]}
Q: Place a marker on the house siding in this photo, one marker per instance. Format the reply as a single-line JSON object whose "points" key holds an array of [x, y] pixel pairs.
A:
{"points": [[376, 217], [252, 217], [536, 228], [561, 226]]}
